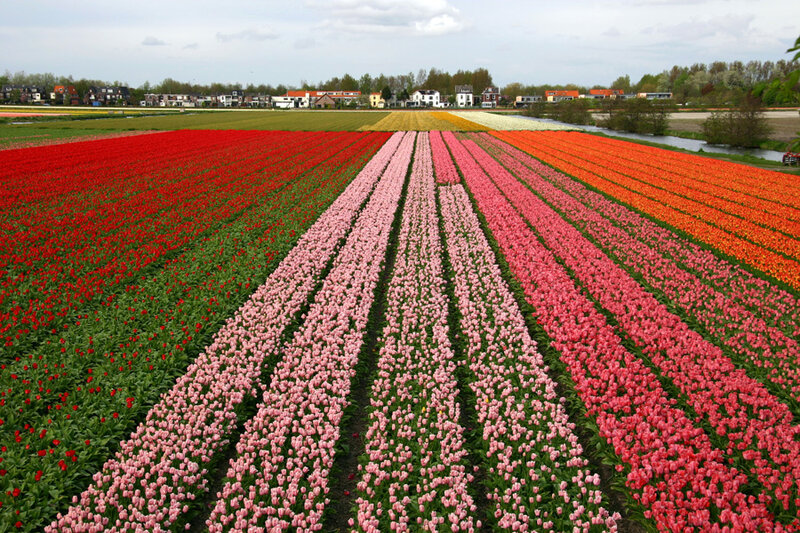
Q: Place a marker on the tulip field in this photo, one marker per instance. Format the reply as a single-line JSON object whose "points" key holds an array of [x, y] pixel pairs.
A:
{"points": [[472, 330]]}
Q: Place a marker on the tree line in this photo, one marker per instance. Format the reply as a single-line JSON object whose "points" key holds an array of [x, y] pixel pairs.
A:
{"points": [[717, 83]]}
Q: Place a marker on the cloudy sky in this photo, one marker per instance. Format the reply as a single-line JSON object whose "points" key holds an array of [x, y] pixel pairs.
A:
{"points": [[265, 41]]}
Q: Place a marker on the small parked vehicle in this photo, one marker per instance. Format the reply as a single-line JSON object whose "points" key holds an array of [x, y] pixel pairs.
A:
{"points": [[791, 158]]}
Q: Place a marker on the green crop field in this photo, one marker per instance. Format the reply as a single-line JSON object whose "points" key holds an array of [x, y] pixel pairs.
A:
{"points": [[239, 120]]}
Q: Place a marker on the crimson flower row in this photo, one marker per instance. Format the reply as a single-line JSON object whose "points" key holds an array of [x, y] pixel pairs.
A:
{"points": [[93, 255], [671, 467], [766, 350]]}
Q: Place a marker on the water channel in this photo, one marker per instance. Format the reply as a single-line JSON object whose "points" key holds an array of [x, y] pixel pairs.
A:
{"points": [[678, 142]]}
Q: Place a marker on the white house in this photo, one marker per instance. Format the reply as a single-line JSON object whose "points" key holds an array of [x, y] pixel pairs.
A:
{"points": [[464, 96], [426, 98]]}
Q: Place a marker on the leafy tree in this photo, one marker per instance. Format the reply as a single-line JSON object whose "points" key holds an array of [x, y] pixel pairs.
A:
{"points": [[481, 79], [572, 111], [349, 83], [623, 83], [744, 127], [386, 94], [365, 84], [637, 115]]}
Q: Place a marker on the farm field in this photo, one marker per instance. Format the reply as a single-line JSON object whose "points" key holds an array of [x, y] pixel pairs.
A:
{"points": [[421, 121], [244, 330]]}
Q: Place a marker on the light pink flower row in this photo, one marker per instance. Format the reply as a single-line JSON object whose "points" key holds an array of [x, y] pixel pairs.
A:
{"points": [[672, 468], [162, 467], [529, 444], [279, 478], [445, 169], [767, 349], [755, 425], [415, 477]]}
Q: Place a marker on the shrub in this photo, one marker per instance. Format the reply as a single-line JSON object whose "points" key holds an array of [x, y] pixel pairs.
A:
{"points": [[744, 127]]}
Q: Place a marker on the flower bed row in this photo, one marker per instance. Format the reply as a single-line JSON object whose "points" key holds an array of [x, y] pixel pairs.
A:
{"points": [[758, 296], [757, 430], [698, 183], [755, 182], [184, 431], [459, 123], [766, 351], [53, 279], [415, 475], [732, 403], [279, 477], [721, 231], [445, 169], [671, 467], [688, 184], [410, 121], [88, 387], [494, 121], [537, 477]]}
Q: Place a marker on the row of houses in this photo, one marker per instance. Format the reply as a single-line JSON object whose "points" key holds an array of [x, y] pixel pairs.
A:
{"points": [[65, 94], [598, 94], [236, 98], [489, 98]]}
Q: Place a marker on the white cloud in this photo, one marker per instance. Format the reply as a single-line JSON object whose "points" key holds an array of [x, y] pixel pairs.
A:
{"points": [[153, 41], [250, 34], [439, 25], [422, 17], [191, 46]]}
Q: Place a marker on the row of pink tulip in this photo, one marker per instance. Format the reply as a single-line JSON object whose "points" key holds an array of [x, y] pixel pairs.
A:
{"points": [[279, 478], [163, 466], [775, 306], [767, 351], [536, 475], [756, 426], [415, 476], [671, 467], [445, 169]]}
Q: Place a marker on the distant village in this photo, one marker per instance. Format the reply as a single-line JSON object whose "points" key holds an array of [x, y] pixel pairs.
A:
{"points": [[463, 98]]}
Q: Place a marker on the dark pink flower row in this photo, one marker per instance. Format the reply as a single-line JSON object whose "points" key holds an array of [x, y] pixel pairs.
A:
{"points": [[163, 465], [279, 478], [671, 466], [770, 352], [766, 301], [445, 169], [537, 477], [755, 424], [415, 477]]}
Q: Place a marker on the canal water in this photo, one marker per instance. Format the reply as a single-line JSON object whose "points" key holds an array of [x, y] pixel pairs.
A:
{"points": [[678, 142]]}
